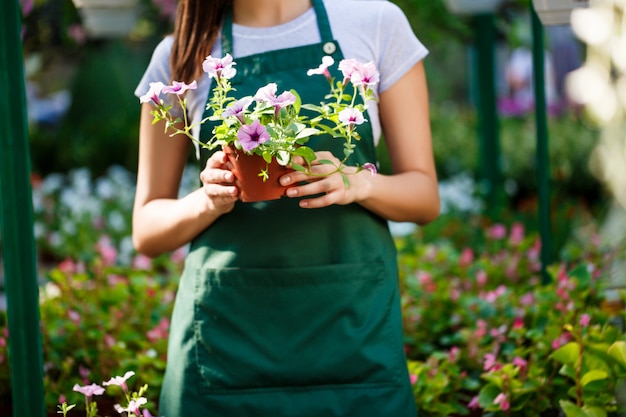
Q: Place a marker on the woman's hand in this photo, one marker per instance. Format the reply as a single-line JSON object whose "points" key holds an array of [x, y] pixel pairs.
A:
{"points": [[322, 180], [218, 183]]}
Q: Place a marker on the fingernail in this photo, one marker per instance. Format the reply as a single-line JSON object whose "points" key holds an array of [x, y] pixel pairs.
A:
{"points": [[292, 192], [228, 176], [285, 180]]}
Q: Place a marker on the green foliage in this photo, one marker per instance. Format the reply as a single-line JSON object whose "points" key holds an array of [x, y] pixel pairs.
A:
{"points": [[482, 331], [456, 148]]}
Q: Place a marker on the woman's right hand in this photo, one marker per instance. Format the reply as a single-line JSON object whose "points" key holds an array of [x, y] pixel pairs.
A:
{"points": [[218, 183]]}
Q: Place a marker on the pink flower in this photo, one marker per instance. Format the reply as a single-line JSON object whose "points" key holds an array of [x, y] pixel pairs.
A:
{"points": [[413, 378], [268, 95], [519, 362], [120, 381], [351, 117], [179, 87], [467, 257], [237, 109], [517, 234], [527, 299], [74, 316], [327, 61], [585, 319], [454, 354], [77, 33], [497, 231], [489, 361], [502, 401], [219, 68], [561, 341], [251, 136], [153, 94], [133, 406], [474, 403], [89, 390], [481, 277], [518, 323], [359, 73], [370, 167], [62, 399], [142, 262], [107, 251], [348, 67]]}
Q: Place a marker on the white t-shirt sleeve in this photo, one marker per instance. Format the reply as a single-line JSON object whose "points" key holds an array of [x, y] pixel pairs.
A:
{"points": [[399, 48]]}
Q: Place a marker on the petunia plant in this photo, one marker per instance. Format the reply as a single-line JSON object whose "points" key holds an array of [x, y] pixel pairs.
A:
{"points": [[272, 124]]}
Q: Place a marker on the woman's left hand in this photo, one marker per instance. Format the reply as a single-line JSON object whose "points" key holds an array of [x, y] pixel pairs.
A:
{"points": [[328, 189]]}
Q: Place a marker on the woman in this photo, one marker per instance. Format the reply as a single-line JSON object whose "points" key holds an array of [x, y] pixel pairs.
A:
{"points": [[289, 307]]}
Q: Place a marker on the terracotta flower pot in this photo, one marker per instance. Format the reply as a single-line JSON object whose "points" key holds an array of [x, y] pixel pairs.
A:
{"points": [[251, 186]]}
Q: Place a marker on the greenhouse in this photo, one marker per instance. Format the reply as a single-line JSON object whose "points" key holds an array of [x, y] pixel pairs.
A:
{"points": [[510, 300]]}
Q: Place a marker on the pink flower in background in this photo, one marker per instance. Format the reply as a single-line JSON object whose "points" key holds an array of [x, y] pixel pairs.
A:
{"points": [[518, 323], [474, 403], [519, 362], [481, 278], [564, 339], [502, 401], [161, 331], [489, 362], [467, 257], [120, 381], [142, 262], [77, 33], [454, 354], [27, 6], [167, 8], [413, 378], [585, 319], [107, 250], [497, 231], [74, 316], [517, 234], [89, 390]]}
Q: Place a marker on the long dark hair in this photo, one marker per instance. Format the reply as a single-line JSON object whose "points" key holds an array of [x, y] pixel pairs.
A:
{"points": [[195, 30]]}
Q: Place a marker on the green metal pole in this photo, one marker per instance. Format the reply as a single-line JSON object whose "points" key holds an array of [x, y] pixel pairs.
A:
{"points": [[542, 157], [16, 224], [488, 122]]}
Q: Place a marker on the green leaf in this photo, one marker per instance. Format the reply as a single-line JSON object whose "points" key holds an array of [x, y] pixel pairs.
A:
{"points": [[297, 167], [571, 410], [567, 354], [582, 276], [487, 395], [594, 411], [325, 162], [618, 352], [309, 131], [595, 375]]}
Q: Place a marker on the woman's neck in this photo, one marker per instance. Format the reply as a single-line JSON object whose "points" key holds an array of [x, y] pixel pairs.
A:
{"points": [[267, 13]]}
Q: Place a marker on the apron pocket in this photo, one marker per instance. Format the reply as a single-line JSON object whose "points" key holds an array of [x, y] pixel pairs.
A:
{"points": [[296, 327]]}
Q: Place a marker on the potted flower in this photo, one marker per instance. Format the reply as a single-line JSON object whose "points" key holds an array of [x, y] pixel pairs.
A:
{"points": [[108, 18], [270, 128], [473, 6], [557, 12]]}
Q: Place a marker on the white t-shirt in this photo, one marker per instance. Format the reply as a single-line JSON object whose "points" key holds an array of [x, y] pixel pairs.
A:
{"points": [[376, 31]]}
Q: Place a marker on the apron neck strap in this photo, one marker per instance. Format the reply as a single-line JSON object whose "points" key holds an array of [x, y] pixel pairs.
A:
{"points": [[322, 24]]}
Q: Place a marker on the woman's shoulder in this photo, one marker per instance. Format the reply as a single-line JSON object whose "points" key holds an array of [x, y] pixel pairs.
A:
{"points": [[164, 47]]}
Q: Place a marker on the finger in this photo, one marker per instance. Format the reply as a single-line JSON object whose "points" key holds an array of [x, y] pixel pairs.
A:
{"points": [[217, 160], [217, 176]]}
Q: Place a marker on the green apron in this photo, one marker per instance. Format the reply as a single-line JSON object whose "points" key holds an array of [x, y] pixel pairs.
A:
{"points": [[283, 311]]}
